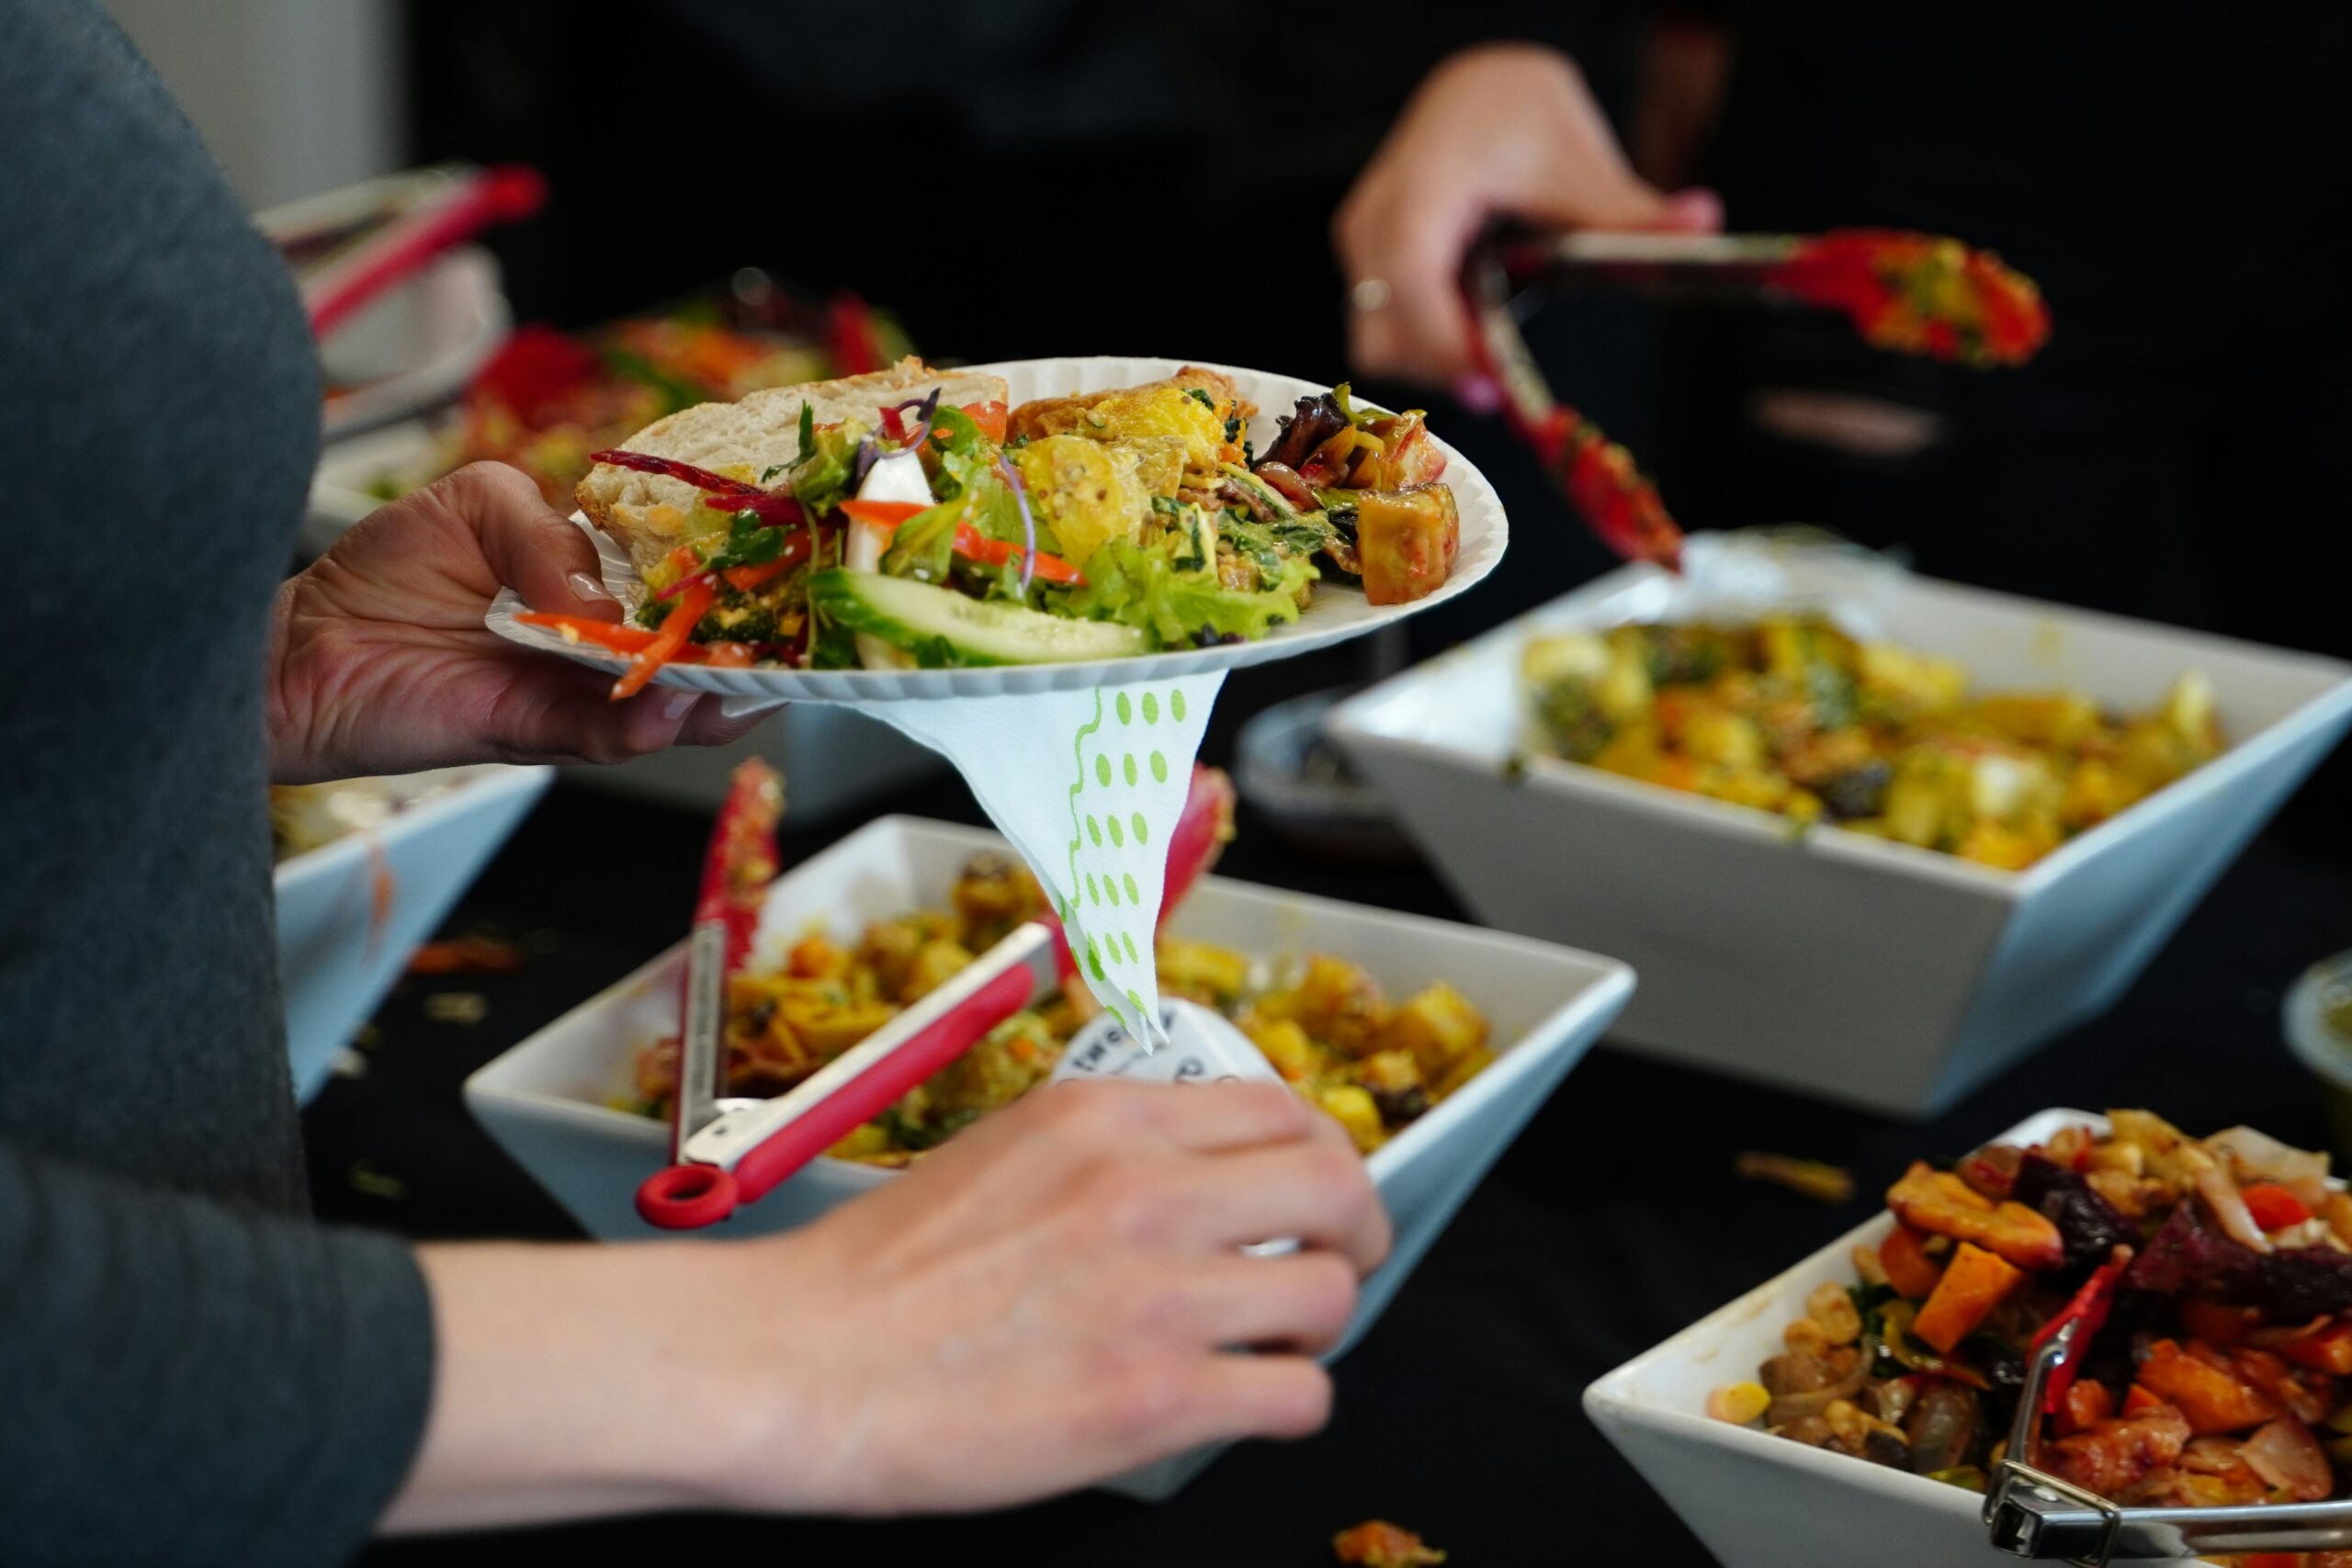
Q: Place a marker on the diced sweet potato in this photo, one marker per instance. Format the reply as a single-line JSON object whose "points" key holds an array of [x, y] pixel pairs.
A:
{"points": [[2211, 1395], [1909, 1269], [1931, 1199], [1976, 1283]]}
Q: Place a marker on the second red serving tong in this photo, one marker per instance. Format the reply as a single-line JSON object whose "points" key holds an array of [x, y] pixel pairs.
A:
{"points": [[731, 1152]]}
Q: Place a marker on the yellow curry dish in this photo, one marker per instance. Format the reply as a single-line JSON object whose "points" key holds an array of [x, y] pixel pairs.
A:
{"points": [[1791, 714], [1373, 1065]]}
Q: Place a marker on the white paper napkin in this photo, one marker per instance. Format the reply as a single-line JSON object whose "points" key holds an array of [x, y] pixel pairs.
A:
{"points": [[1087, 786]]}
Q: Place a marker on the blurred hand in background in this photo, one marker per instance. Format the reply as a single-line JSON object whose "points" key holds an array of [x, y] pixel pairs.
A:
{"points": [[1502, 130]]}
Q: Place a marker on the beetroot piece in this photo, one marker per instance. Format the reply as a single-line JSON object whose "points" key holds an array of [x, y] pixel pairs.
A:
{"points": [[2302, 1282], [2087, 1223], [2186, 1257]]}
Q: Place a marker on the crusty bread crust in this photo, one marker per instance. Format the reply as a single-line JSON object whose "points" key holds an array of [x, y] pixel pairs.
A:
{"points": [[648, 513]]}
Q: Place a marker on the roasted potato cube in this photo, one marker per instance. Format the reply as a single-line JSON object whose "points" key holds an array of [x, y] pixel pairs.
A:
{"points": [[1352, 1107], [1438, 1027], [1335, 1002], [1918, 682], [1406, 539], [828, 1029], [1200, 972], [815, 958], [1285, 1044], [2036, 719], [934, 963]]}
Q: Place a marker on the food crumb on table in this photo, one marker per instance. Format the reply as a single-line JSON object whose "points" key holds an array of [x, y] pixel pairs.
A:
{"points": [[1811, 1178], [1376, 1543]]}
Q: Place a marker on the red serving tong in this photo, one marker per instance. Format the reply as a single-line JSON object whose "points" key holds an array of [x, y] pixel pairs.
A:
{"points": [[482, 199], [1620, 505], [729, 1153]]}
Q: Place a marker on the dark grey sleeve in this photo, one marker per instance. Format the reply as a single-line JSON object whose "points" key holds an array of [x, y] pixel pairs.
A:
{"points": [[191, 1383]]}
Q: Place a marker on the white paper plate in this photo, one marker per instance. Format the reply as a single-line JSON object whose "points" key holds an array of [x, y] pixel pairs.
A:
{"points": [[1338, 613]]}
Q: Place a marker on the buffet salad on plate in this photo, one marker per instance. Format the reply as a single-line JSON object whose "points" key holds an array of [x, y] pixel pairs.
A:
{"points": [[1065, 512], [2214, 1273]]}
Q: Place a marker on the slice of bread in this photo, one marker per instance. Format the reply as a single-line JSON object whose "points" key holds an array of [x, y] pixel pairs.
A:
{"points": [[649, 513]]}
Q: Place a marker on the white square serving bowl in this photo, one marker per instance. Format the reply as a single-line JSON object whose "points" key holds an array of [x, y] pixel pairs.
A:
{"points": [[1758, 1501], [545, 1101], [336, 957], [1854, 968]]}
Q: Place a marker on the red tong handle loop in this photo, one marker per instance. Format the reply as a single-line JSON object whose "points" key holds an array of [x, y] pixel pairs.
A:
{"points": [[687, 1197]]}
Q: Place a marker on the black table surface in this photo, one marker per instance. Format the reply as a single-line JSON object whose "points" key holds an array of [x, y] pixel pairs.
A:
{"points": [[1612, 1222]]}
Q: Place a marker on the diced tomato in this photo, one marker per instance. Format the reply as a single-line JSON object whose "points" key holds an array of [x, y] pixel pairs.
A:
{"points": [[2273, 1207], [881, 513], [685, 558], [973, 545], [2205, 1388], [1903, 1256], [990, 417], [2085, 1404], [728, 655]]}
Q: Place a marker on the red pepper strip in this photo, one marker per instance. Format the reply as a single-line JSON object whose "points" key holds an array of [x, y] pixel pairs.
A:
{"points": [[973, 545], [2090, 1308], [701, 478], [881, 513], [743, 857], [797, 549], [618, 635], [894, 424], [669, 642]]}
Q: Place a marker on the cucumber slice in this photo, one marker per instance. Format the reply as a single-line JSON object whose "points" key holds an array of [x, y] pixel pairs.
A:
{"points": [[943, 629]]}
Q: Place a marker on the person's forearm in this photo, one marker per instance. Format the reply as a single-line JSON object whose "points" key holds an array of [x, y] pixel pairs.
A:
{"points": [[567, 1382]]}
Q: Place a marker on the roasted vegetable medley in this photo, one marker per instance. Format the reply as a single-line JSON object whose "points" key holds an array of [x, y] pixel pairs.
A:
{"points": [[1373, 1065], [1792, 715], [2218, 1377]]}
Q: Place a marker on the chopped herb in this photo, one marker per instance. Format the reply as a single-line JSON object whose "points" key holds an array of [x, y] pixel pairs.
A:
{"points": [[1207, 401]]}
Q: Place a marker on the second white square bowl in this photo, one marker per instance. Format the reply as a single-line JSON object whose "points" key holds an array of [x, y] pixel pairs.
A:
{"points": [[1853, 968]]}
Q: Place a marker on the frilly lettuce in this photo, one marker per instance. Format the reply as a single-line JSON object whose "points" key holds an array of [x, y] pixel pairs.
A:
{"points": [[1140, 586]]}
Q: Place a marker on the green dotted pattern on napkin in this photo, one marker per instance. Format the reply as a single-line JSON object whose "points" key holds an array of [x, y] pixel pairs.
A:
{"points": [[1124, 766]]}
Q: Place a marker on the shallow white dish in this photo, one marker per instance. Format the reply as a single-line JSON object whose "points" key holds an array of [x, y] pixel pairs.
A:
{"points": [[1759, 1501], [336, 957], [1338, 613], [1850, 968], [546, 1101]]}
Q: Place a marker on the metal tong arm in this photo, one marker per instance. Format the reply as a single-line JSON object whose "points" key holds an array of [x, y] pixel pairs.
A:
{"points": [[2031, 1513]]}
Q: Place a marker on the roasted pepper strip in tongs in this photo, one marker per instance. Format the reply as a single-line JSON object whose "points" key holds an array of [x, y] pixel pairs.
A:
{"points": [[743, 857], [1618, 504]]}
